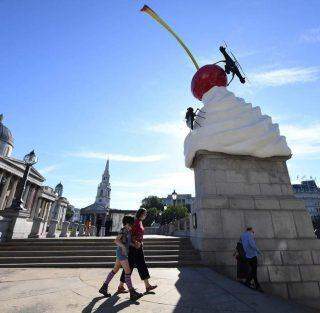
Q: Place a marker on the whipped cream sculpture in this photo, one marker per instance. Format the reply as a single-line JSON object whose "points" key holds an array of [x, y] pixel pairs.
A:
{"points": [[226, 124], [233, 126]]}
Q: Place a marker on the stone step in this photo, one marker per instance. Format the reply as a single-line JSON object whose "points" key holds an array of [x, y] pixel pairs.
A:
{"points": [[85, 258], [91, 239], [89, 247], [93, 252], [102, 252], [80, 242], [150, 264]]}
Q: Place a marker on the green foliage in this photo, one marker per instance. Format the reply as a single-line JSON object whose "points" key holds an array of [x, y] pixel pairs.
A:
{"points": [[157, 214], [152, 217], [172, 213], [69, 214], [152, 202]]}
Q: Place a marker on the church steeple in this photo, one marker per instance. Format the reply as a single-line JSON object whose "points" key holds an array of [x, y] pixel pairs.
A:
{"points": [[104, 189]]}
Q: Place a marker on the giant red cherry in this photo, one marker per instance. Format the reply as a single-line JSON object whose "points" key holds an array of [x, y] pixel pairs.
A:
{"points": [[207, 77]]}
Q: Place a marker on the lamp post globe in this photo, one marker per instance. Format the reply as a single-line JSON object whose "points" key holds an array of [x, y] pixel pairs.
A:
{"points": [[29, 159], [174, 197]]}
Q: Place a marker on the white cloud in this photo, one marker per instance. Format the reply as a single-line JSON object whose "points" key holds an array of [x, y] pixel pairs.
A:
{"points": [[48, 169], [285, 76], [80, 202], [173, 129], [182, 182], [164, 183], [311, 35], [303, 140], [118, 157]]}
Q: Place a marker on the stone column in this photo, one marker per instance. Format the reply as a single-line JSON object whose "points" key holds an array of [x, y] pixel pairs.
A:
{"points": [[4, 192], [30, 199], [12, 191], [64, 230], [52, 229], [37, 208], [35, 230], [47, 213]]}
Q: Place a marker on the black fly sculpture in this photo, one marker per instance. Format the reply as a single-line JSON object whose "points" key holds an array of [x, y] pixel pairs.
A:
{"points": [[232, 65], [190, 117]]}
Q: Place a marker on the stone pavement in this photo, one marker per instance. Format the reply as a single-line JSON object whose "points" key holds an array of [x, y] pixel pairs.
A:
{"points": [[181, 290]]}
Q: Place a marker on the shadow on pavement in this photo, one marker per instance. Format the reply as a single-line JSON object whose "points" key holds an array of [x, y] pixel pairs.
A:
{"points": [[109, 305]]}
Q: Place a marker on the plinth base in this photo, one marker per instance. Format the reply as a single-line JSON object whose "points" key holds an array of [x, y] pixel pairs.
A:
{"points": [[234, 192]]}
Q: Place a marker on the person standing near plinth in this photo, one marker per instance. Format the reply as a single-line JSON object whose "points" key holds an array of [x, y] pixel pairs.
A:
{"points": [[251, 252]]}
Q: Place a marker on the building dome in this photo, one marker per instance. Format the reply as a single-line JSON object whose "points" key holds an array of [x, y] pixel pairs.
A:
{"points": [[6, 139]]}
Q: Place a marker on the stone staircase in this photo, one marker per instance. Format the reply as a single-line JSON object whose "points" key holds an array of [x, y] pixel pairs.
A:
{"points": [[160, 251]]}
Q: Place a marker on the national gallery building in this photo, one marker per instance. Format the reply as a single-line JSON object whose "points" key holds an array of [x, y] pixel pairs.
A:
{"points": [[41, 204]]}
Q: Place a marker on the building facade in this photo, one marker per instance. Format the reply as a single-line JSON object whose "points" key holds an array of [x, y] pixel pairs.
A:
{"points": [[182, 199], [309, 192], [38, 200]]}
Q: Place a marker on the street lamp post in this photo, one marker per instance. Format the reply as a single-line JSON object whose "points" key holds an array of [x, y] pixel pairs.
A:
{"points": [[29, 160], [174, 197]]}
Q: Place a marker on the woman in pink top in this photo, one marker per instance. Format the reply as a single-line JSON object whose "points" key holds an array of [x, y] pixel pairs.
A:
{"points": [[136, 254]]}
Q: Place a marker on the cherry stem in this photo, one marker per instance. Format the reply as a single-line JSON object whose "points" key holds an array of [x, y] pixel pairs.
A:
{"points": [[155, 16]]}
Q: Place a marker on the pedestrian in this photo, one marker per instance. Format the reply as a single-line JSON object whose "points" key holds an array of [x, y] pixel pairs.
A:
{"points": [[87, 225], [242, 265], [251, 253], [136, 254], [123, 242]]}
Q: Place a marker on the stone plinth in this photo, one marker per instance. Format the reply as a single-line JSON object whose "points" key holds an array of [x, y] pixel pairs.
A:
{"points": [[233, 192], [52, 229], [35, 230], [14, 224], [64, 230]]}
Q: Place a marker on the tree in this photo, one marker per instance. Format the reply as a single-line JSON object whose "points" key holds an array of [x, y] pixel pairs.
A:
{"points": [[172, 213], [153, 215], [152, 202], [154, 206], [69, 214]]}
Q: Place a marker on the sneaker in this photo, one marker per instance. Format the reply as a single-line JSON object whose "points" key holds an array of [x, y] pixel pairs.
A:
{"points": [[134, 295], [104, 290], [150, 287], [121, 289]]}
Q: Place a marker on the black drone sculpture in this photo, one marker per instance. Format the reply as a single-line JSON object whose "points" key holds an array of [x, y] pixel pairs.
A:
{"points": [[232, 65]]}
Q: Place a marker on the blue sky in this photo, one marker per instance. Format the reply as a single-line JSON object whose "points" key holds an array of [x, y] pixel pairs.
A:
{"points": [[80, 80]]}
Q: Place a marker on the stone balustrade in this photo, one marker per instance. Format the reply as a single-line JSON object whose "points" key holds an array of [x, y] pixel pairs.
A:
{"points": [[179, 227]]}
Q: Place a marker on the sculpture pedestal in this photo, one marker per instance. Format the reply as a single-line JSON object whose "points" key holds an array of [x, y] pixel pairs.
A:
{"points": [[234, 192], [37, 221], [52, 229], [64, 230], [15, 224]]}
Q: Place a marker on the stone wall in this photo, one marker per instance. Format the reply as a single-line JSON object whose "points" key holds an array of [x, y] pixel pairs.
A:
{"points": [[233, 192]]}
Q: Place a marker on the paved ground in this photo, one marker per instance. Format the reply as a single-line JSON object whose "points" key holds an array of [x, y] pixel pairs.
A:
{"points": [[184, 290]]}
